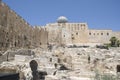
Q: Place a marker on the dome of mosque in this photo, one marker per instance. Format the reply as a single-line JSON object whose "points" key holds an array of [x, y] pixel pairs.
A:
{"points": [[62, 19]]}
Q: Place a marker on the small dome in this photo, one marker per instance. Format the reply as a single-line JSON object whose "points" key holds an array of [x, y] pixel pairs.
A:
{"points": [[62, 19]]}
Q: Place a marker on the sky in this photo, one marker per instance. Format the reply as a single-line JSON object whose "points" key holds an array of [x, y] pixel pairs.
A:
{"points": [[98, 14]]}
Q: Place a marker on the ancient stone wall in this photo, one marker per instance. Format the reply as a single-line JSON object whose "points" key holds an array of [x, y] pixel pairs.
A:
{"points": [[67, 33], [54, 33], [77, 33], [99, 36], [16, 32]]}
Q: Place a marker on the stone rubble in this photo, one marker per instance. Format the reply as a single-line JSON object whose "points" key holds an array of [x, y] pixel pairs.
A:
{"points": [[82, 63]]}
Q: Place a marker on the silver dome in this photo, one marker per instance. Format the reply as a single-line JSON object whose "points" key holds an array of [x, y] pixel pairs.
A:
{"points": [[62, 19]]}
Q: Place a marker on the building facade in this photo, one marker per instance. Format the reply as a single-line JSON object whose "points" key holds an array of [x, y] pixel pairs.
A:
{"points": [[67, 33]]}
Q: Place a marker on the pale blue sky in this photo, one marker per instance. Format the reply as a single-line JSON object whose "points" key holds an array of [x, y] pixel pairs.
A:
{"points": [[99, 14]]}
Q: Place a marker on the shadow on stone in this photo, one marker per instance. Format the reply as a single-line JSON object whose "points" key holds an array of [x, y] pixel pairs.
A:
{"points": [[118, 68], [42, 74], [63, 67], [33, 65], [37, 75]]}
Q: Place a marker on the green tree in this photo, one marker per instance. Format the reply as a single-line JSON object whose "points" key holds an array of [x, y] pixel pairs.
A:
{"points": [[118, 43], [113, 41]]}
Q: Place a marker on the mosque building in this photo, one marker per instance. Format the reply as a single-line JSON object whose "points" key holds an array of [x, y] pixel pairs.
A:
{"points": [[67, 33]]}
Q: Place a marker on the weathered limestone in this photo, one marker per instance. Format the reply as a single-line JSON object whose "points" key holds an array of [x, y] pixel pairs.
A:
{"points": [[77, 34], [60, 63], [80, 63], [15, 32]]}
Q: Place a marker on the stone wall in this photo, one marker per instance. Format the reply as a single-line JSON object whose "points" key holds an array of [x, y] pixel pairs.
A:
{"points": [[116, 34], [99, 36], [78, 33], [16, 32], [54, 33]]}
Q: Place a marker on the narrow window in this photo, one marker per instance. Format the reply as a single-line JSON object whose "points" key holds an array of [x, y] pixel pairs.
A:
{"points": [[107, 33]]}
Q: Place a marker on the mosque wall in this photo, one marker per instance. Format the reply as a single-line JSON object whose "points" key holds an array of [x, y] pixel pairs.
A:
{"points": [[77, 33], [99, 36]]}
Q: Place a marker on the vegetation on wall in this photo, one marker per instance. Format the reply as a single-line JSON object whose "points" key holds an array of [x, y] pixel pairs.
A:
{"points": [[114, 42]]}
